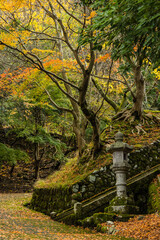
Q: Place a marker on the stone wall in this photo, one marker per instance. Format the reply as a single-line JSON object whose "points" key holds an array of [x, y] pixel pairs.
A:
{"points": [[59, 199], [144, 158], [53, 199]]}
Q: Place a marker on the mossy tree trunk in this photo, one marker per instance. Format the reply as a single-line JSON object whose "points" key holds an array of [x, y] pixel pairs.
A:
{"points": [[38, 151], [139, 96], [88, 113]]}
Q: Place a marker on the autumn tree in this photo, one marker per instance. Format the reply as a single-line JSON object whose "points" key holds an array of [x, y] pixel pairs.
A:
{"points": [[24, 36]]}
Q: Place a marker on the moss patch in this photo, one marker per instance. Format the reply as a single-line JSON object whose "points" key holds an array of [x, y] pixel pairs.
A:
{"points": [[154, 196], [73, 172]]}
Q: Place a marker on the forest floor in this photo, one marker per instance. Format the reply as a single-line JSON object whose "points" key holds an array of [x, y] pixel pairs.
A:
{"points": [[20, 223]]}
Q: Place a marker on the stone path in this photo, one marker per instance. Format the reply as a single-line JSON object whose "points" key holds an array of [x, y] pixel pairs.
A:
{"points": [[20, 223]]}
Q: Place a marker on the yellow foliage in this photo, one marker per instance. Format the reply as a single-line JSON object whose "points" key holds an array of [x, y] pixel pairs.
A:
{"points": [[36, 51], [9, 39], [157, 72], [92, 15], [11, 5], [1, 47]]}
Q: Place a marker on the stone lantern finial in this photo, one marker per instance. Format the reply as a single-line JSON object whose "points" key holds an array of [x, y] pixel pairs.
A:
{"points": [[119, 137]]}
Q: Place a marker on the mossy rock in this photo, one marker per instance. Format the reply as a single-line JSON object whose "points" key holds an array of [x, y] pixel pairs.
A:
{"points": [[77, 196], [91, 187], [122, 205], [102, 229], [123, 209], [103, 217], [87, 222], [96, 219]]}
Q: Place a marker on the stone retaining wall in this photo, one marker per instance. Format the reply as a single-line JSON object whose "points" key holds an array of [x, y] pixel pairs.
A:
{"points": [[59, 199]]}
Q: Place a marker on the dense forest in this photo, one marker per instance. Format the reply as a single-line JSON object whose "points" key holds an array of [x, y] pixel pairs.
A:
{"points": [[70, 68]]}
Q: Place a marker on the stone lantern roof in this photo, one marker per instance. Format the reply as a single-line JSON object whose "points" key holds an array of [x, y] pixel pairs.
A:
{"points": [[119, 145]]}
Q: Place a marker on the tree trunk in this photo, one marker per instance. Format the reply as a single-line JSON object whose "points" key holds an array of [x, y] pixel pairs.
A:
{"points": [[139, 97], [76, 113], [37, 160], [88, 113], [37, 167], [11, 170], [76, 123], [92, 118], [79, 135]]}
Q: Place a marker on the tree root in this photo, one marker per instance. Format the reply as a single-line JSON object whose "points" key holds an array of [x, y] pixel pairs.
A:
{"points": [[126, 115], [130, 116], [139, 129]]}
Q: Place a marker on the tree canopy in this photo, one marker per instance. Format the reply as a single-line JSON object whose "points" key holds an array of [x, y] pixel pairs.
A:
{"points": [[79, 63]]}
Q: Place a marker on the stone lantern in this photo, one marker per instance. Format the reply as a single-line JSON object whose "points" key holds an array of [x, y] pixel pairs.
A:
{"points": [[121, 203], [120, 165]]}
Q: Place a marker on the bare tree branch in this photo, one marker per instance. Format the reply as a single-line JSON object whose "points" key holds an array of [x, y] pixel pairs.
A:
{"points": [[106, 78], [105, 97], [69, 13], [58, 85], [134, 97], [53, 102]]}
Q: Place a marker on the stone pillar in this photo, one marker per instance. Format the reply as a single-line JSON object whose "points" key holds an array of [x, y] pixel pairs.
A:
{"points": [[78, 209], [120, 165], [121, 182]]}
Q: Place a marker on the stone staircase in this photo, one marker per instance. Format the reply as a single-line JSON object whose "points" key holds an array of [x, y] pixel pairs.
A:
{"points": [[98, 202]]}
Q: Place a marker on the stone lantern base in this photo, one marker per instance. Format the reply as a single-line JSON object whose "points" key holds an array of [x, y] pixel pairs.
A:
{"points": [[122, 205]]}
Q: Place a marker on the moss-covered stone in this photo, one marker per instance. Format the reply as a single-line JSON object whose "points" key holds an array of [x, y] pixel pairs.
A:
{"points": [[91, 187], [122, 205], [118, 201], [77, 196], [98, 218], [102, 229], [103, 217], [87, 222]]}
